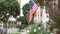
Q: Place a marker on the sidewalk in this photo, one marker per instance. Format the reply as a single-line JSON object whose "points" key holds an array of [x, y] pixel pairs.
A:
{"points": [[24, 31]]}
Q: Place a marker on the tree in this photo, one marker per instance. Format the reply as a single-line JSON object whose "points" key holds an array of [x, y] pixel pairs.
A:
{"points": [[40, 2], [24, 19], [26, 9], [8, 6], [54, 13]]}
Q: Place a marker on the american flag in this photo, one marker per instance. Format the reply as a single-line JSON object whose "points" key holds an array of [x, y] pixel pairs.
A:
{"points": [[33, 9]]}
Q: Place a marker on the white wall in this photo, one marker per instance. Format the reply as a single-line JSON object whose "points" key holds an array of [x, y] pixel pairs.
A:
{"points": [[23, 2]]}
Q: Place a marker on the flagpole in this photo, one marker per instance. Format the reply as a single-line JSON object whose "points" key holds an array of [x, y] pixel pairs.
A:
{"points": [[41, 15]]}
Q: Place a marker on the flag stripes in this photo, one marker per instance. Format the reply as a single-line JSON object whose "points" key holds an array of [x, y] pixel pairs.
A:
{"points": [[33, 9]]}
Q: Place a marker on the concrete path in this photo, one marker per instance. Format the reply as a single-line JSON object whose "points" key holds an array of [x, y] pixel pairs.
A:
{"points": [[24, 31]]}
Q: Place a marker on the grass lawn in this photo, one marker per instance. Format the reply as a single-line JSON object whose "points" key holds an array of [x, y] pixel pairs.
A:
{"points": [[16, 33]]}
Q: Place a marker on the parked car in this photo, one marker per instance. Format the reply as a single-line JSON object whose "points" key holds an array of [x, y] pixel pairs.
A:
{"points": [[2, 28]]}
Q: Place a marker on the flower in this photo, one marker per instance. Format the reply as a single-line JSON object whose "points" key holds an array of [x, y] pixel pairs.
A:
{"points": [[34, 30], [28, 31], [39, 28]]}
